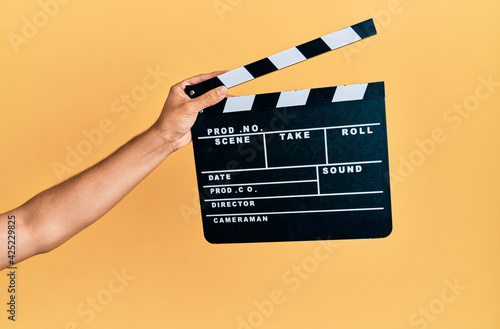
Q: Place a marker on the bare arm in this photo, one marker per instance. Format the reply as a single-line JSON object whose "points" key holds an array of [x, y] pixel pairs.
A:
{"points": [[55, 215]]}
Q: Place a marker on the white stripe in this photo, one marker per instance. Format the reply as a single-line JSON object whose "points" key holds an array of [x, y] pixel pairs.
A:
{"points": [[341, 38], [286, 58], [293, 98], [350, 92], [235, 77], [296, 196], [240, 103], [296, 212]]}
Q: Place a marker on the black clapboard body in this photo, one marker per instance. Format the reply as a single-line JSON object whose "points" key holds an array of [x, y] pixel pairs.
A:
{"points": [[296, 165], [300, 165]]}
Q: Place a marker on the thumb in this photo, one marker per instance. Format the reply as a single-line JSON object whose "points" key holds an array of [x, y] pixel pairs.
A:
{"points": [[209, 98]]}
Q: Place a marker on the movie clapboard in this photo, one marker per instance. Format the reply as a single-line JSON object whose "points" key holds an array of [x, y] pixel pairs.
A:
{"points": [[295, 165]]}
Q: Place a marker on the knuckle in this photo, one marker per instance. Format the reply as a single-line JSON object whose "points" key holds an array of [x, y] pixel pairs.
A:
{"points": [[186, 108]]}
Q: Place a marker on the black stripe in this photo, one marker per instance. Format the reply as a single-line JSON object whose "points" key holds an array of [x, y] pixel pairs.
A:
{"points": [[313, 48], [259, 68], [196, 90], [374, 90], [321, 95], [365, 29], [265, 101]]}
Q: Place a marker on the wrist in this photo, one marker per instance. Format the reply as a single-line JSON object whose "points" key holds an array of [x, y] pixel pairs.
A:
{"points": [[161, 140]]}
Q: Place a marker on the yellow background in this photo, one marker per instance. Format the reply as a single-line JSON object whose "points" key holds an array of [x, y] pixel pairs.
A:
{"points": [[64, 79]]}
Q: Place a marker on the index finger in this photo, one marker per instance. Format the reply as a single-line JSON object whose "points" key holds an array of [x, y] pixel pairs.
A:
{"points": [[201, 77]]}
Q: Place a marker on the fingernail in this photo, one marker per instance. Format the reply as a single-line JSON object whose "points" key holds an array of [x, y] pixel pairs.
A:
{"points": [[222, 90]]}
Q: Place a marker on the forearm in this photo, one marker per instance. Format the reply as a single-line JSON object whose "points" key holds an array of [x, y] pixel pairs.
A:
{"points": [[55, 215], [60, 212]]}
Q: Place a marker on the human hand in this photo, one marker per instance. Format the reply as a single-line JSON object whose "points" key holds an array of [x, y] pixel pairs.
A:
{"points": [[179, 112]]}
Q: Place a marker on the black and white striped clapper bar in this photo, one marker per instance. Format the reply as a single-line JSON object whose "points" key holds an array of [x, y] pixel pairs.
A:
{"points": [[295, 165]]}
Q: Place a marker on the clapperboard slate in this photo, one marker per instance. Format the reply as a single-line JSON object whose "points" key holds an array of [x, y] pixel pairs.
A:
{"points": [[294, 165]]}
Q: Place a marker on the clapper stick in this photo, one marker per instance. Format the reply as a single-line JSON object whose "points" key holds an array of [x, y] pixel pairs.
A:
{"points": [[283, 99], [286, 58]]}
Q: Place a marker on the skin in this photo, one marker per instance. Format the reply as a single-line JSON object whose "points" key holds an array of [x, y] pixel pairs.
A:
{"points": [[55, 215]]}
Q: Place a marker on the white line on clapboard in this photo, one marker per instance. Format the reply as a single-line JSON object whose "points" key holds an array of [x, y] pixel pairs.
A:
{"points": [[297, 196], [291, 130], [298, 212], [291, 167], [265, 183], [326, 147], [265, 150], [317, 178]]}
